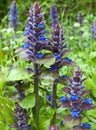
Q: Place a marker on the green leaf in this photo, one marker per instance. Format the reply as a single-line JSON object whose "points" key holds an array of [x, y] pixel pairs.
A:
{"points": [[48, 60], [92, 55], [17, 74], [47, 78], [1, 84], [28, 101], [76, 25], [44, 123], [91, 85], [4, 127]]}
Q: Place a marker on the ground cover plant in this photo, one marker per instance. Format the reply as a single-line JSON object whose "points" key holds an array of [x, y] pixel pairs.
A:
{"points": [[47, 70]]}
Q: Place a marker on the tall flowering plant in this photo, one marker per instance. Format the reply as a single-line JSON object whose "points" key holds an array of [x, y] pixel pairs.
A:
{"points": [[13, 15], [80, 18], [58, 41], [60, 59], [76, 101], [31, 50], [35, 42]]}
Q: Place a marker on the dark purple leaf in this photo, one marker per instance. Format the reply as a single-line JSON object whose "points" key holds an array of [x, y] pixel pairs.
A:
{"points": [[65, 104], [86, 106], [85, 92], [66, 90], [53, 128]]}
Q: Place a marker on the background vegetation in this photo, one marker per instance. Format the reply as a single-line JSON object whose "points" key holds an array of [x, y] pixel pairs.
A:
{"points": [[84, 54], [70, 8]]}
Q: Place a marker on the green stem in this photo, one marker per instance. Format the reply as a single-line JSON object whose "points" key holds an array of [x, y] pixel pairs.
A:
{"points": [[54, 95], [54, 104], [36, 87], [53, 121]]}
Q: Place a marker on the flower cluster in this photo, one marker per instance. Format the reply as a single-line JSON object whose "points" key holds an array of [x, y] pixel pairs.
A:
{"points": [[93, 30], [54, 16], [58, 41], [75, 102], [60, 59], [13, 17], [35, 33], [36, 39], [80, 18], [22, 121]]}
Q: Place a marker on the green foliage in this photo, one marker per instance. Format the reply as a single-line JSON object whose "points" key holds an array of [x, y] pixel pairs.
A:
{"points": [[12, 68], [6, 118], [17, 74], [28, 101]]}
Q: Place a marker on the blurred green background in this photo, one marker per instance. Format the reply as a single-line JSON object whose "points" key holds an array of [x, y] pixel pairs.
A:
{"points": [[69, 8]]}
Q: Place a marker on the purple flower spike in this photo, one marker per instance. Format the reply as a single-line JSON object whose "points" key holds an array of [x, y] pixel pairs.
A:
{"points": [[35, 33], [58, 41], [76, 102], [80, 18], [22, 121], [54, 16], [93, 30], [13, 16]]}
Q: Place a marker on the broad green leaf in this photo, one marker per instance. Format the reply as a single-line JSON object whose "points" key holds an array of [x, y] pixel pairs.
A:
{"points": [[18, 74], [1, 84], [28, 101], [47, 60], [91, 85], [92, 55], [92, 119], [76, 25], [44, 123], [47, 78], [4, 127], [1, 53], [6, 48]]}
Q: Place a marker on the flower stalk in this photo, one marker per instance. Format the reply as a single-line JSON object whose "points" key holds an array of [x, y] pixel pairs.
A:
{"points": [[31, 49], [36, 90]]}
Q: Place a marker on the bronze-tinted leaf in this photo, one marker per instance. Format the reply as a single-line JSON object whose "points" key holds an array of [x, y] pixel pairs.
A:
{"points": [[70, 120], [85, 92], [86, 106], [66, 90], [38, 29], [56, 39], [66, 51], [36, 8], [14, 126], [53, 128], [76, 79], [65, 104], [39, 19]]}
